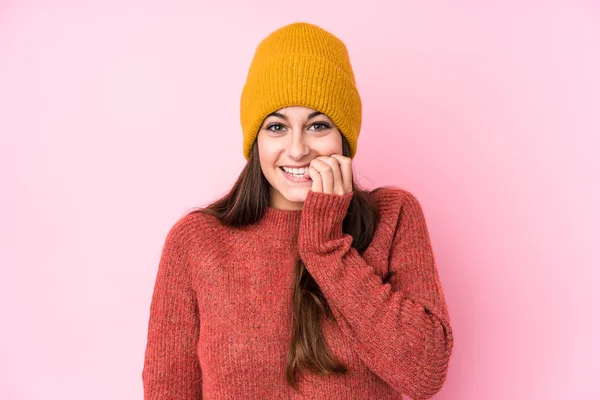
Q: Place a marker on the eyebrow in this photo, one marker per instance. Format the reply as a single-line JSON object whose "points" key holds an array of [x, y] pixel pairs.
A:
{"points": [[276, 114]]}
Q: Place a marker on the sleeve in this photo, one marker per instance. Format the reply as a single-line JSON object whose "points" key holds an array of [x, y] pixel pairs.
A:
{"points": [[400, 329], [171, 367]]}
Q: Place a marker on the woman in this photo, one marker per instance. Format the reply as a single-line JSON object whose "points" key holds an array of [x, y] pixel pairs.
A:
{"points": [[298, 283]]}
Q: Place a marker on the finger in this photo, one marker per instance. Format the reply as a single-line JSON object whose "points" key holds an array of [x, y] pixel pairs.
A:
{"points": [[317, 184], [346, 168], [326, 173], [338, 182]]}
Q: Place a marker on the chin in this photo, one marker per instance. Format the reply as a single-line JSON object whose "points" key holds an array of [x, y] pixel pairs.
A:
{"points": [[298, 195], [295, 195]]}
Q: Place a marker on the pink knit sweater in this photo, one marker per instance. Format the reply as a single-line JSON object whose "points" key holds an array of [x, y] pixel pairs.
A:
{"points": [[219, 324]]}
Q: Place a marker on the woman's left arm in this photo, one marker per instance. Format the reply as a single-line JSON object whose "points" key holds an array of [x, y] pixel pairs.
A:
{"points": [[400, 329]]}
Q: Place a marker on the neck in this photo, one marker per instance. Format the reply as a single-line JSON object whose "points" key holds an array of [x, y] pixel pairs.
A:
{"points": [[279, 222]]}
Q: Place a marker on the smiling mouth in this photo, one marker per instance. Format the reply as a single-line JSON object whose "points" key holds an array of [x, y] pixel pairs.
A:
{"points": [[294, 174], [295, 177]]}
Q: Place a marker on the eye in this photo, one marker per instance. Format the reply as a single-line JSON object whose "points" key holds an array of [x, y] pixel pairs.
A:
{"points": [[320, 126], [272, 125], [323, 124]]}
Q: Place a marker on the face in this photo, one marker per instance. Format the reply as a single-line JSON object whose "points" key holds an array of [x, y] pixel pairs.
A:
{"points": [[294, 136]]}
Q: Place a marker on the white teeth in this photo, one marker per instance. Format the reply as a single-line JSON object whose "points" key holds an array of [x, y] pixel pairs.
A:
{"points": [[295, 171]]}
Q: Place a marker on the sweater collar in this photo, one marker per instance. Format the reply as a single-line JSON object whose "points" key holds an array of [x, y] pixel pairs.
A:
{"points": [[281, 222]]}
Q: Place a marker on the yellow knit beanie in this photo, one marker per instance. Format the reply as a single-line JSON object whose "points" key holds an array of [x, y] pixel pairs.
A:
{"points": [[301, 64]]}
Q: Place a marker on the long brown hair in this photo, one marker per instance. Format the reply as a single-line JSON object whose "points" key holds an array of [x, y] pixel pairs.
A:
{"points": [[245, 204]]}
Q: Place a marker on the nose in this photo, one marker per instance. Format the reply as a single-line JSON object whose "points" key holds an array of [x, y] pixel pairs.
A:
{"points": [[297, 146]]}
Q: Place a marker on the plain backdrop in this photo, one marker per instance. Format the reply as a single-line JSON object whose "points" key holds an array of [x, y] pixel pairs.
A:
{"points": [[118, 117]]}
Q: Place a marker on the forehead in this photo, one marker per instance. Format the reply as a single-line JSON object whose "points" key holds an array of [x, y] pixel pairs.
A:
{"points": [[296, 112]]}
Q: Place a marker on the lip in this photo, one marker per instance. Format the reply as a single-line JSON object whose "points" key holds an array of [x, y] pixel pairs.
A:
{"points": [[293, 178], [296, 166]]}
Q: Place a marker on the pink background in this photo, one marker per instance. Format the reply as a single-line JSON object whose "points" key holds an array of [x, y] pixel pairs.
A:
{"points": [[117, 117]]}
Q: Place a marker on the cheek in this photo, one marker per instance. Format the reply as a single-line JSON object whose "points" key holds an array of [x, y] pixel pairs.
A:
{"points": [[333, 144], [267, 154]]}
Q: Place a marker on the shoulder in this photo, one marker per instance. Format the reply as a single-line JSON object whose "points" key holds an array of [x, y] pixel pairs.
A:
{"points": [[187, 228], [399, 207], [394, 197]]}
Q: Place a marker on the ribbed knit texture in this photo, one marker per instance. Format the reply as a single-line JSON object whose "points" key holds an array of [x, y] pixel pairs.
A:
{"points": [[219, 323], [301, 64]]}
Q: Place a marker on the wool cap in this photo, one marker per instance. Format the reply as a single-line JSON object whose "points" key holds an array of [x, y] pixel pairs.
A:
{"points": [[301, 64]]}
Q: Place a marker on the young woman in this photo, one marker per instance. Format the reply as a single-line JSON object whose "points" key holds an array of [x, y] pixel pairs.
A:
{"points": [[298, 283]]}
